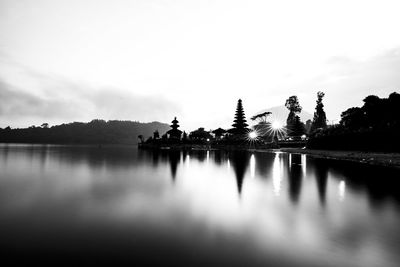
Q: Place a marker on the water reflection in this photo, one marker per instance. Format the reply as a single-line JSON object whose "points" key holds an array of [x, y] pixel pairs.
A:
{"points": [[277, 174], [252, 166], [342, 190], [239, 161], [118, 202], [291, 169], [174, 159], [321, 177], [295, 176]]}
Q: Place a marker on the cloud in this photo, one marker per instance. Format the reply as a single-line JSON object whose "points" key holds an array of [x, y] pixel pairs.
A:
{"points": [[57, 100]]}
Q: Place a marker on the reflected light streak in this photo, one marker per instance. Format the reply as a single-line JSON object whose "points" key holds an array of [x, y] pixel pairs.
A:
{"points": [[304, 163], [228, 164], [208, 156], [342, 190], [276, 175], [187, 161], [252, 166]]}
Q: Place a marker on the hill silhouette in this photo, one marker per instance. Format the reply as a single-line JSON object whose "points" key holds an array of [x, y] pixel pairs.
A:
{"points": [[94, 132], [280, 114]]}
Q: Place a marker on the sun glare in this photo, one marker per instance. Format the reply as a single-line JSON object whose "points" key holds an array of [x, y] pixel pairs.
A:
{"points": [[276, 125], [253, 135]]}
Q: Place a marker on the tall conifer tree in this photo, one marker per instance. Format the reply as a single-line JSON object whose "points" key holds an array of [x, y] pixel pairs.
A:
{"points": [[319, 120]]}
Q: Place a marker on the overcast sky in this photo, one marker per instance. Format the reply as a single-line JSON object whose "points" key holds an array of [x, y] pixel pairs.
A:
{"points": [[64, 61]]}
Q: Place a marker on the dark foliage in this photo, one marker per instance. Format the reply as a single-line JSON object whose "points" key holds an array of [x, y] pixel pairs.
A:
{"points": [[296, 127], [293, 105], [94, 132], [200, 134], [261, 117], [373, 127], [219, 132], [319, 120]]}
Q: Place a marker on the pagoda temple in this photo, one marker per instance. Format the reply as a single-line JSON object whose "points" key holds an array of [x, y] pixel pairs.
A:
{"points": [[174, 133]]}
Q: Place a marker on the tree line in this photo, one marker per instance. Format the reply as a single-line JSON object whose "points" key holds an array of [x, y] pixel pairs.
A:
{"points": [[93, 132], [374, 127]]}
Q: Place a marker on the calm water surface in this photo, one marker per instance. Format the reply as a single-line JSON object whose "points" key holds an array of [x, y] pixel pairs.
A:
{"points": [[117, 205]]}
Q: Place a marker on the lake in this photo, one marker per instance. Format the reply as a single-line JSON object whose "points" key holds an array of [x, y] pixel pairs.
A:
{"points": [[116, 205]]}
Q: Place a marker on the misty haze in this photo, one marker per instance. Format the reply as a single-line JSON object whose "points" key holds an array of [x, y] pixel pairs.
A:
{"points": [[199, 133]]}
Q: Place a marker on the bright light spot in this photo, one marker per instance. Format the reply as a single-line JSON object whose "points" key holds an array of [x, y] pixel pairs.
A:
{"points": [[208, 139], [253, 135], [303, 137], [276, 125]]}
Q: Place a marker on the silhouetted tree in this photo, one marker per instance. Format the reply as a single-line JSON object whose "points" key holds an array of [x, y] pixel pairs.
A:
{"points": [[219, 132], [292, 104], [200, 134], [353, 118], [239, 123], [45, 125], [374, 127], [262, 117], [94, 132], [297, 128], [319, 120], [263, 127]]}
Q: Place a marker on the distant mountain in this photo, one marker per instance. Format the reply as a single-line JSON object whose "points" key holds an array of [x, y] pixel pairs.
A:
{"points": [[280, 114], [94, 132]]}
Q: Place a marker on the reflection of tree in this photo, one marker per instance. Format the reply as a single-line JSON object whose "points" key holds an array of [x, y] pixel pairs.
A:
{"points": [[184, 155], [239, 160], [294, 177], [264, 163], [218, 157], [378, 183], [321, 176], [155, 158], [201, 155]]}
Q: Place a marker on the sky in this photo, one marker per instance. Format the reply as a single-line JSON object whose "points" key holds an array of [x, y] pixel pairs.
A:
{"points": [[78, 60]]}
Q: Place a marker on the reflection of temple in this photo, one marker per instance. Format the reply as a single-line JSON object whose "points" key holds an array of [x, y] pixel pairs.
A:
{"points": [[239, 161], [173, 159]]}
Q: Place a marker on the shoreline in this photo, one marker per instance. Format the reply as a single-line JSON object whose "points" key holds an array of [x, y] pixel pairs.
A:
{"points": [[385, 159], [388, 159]]}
